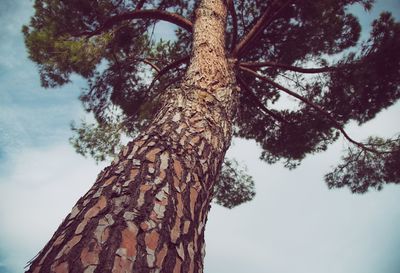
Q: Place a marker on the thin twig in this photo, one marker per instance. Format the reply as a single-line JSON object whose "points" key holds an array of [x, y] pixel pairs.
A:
{"points": [[167, 68], [258, 103], [288, 67], [232, 11], [139, 5], [155, 67], [263, 22]]}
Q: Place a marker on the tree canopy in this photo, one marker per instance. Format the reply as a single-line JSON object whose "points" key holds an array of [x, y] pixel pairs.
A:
{"points": [[308, 49]]}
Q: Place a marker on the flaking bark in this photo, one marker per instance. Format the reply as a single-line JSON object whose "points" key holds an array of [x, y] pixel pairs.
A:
{"points": [[147, 211]]}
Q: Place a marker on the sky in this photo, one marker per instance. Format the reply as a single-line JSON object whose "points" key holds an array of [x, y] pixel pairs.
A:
{"points": [[294, 224]]}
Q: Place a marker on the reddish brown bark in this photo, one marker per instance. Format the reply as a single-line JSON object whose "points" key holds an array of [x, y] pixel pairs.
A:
{"points": [[147, 211]]}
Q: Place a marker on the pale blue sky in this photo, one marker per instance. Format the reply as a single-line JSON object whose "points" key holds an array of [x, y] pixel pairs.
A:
{"points": [[294, 225]]}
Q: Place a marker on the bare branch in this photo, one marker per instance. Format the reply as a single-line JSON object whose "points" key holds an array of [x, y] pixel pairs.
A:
{"points": [[167, 68], [257, 102], [155, 67], [336, 124], [118, 4], [144, 60], [142, 14], [139, 5], [117, 62], [288, 67], [232, 11], [264, 21]]}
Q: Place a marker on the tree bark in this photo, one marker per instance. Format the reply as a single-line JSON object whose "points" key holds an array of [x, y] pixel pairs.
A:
{"points": [[147, 211]]}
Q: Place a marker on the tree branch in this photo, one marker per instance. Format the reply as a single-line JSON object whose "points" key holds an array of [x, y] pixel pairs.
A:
{"points": [[167, 68], [155, 67], [258, 103], [144, 60], [142, 14], [232, 11], [117, 5], [337, 125], [264, 21], [288, 67], [139, 5]]}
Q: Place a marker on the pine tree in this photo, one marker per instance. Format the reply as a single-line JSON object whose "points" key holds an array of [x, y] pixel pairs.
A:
{"points": [[183, 99]]}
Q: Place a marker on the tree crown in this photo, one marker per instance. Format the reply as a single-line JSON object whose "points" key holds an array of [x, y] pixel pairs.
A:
{"points": [[307, 49]]}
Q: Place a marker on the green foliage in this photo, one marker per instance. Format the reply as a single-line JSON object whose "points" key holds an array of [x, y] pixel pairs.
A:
{"points": [[362, 170], [369, 81], [366, 81], [234, 186], [100, 142], [63, 55]]}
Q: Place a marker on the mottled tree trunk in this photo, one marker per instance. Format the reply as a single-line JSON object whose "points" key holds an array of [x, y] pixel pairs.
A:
{"points": [[147, 211]]}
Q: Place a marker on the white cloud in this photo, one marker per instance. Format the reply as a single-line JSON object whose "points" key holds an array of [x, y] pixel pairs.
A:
{"points": [[295, 224], [13, 14], [41, 188]]}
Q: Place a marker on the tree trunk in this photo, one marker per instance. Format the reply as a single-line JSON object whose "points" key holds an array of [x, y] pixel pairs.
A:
{"points": [[147, 211]]}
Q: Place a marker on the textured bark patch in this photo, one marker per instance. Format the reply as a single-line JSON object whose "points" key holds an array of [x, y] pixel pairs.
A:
{"points": [[129, 239], [178, 265], [69, 246], [190, 249], [134, 172], [60, 268], [178, 169], [93, 211], [74, 212], [164, 161], [181, 252], [81, 226], [109, 181], [59, 240], [122, 265], [143, 189], [90, 269], [151, 156], [160, 178], [45, 255], [195, 140], [179, 205], [175, 232], [90, 254], [161, 255], [191, 266], [177, 184], [193, 200], [151, 240], [101, 232], [186, 226]]}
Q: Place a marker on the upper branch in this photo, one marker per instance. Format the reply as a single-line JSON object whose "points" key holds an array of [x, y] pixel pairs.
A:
{"points": [[155, 67], [142, 14], [313, 105], [288, 67], [264, 21], [169, 67], [257, 102], [139, 6], [232, 11]]}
